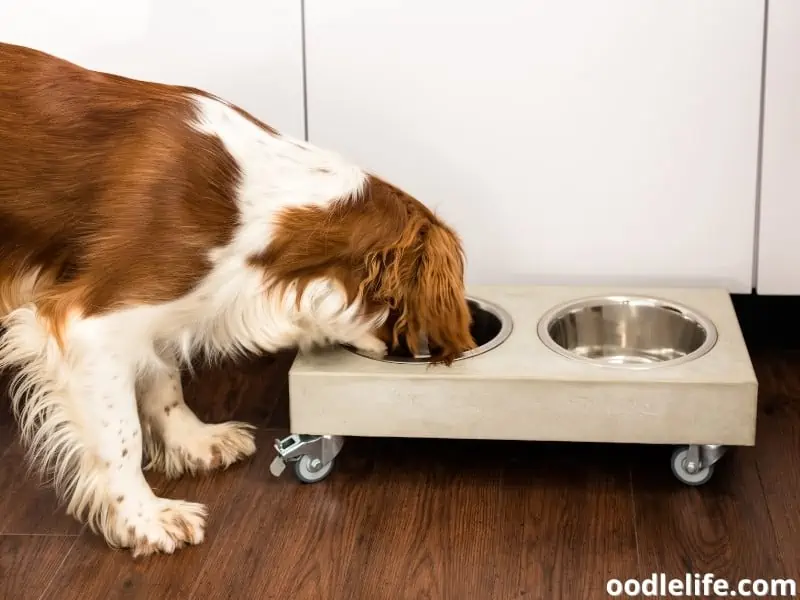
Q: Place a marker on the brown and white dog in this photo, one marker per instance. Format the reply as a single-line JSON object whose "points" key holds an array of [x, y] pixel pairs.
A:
{"points": [[142, 225]]}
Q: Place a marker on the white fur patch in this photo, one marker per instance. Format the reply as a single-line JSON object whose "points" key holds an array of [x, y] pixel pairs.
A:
{"points": [[277, 172]]}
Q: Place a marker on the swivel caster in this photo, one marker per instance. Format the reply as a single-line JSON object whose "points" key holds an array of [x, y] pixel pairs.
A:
{"points": [[312, 456], [694, 464]]}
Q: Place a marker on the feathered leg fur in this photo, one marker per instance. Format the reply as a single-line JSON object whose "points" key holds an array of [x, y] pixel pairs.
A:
{"points": [[78, 417], [175, 440]]}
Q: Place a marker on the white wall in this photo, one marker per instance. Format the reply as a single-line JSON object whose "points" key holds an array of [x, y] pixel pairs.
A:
{"points": [[247, 51], [569, 141], [779, 230]]}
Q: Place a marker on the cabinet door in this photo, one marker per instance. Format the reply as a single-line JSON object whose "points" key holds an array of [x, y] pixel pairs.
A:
{"points": [[778, 239], [569, 142], [247, 52]]}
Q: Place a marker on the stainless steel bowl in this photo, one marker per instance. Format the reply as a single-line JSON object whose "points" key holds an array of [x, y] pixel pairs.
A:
{"points": [[491, 326], [630, 332]]}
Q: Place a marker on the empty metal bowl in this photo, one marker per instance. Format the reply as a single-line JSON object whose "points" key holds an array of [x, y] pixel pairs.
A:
{"points": [[491, 326], [627, 332]]}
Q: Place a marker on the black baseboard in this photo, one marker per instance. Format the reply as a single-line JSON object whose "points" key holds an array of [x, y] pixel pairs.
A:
{"points": [[769, 321]]}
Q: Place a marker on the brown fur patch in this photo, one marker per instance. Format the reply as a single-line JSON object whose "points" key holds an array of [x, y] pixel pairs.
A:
{"points": [[387, 248], [99, 171]]}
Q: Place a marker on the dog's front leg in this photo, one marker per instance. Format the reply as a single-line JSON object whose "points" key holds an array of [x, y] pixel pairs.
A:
{"points": [[110, 489], [78, 415]]}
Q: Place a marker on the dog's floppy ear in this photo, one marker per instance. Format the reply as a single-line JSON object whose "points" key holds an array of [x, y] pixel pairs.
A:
{"points": [[436, 299], [391, 273], [421, 278], [413, 264]]}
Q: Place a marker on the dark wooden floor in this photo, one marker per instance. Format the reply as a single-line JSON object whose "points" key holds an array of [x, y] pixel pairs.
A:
{"points": [[411, 519]]}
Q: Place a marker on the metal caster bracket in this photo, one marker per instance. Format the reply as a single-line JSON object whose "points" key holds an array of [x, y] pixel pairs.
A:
{"points": [[312, 456], [694, 464]]}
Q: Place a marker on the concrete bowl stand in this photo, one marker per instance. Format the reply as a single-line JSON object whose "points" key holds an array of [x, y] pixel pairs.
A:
{"points": [[523, 390]]}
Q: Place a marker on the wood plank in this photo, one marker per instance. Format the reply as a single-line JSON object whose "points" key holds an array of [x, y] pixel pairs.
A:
{"points": [[722, 528], [432, 523], [777, 450], [578, 514], [458, 519], [93, 570], [28, 564], [7, 439], [26, 505], [435, 519], [284, 538]]}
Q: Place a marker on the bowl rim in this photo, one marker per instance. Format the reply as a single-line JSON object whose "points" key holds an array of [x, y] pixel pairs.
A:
{"points": [[506, 328], [562, 309]]}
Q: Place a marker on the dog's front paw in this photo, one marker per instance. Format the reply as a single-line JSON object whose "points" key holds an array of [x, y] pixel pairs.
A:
{"points": [[200, 448], [371, 345], [156, 526]]}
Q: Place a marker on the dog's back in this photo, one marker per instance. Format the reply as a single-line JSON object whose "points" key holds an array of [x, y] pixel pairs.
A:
{"points": [[89, 161]]}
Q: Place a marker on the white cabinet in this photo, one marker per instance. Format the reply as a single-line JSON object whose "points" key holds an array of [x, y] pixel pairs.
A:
{"points": [[248, 52], [568, 141], [779, 226]]}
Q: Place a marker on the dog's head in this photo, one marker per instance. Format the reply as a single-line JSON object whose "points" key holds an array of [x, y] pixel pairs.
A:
{"points": [[417, 270], [392, 254]]}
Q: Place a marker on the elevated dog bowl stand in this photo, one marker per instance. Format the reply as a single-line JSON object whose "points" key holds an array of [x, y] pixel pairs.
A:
{"points": [[525, 390]]}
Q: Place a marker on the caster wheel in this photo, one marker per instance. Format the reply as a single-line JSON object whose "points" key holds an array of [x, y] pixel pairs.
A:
{"points": [[311, 470], [679, 457]]}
